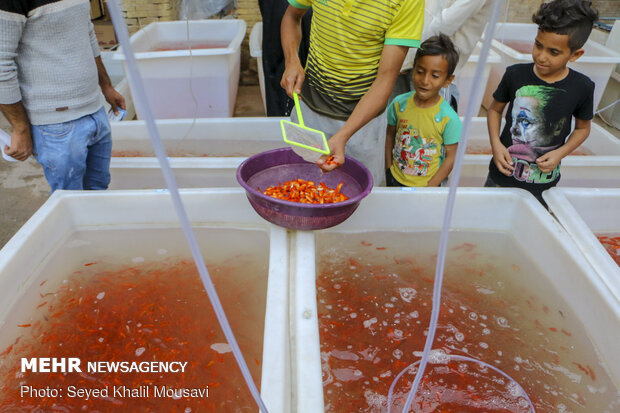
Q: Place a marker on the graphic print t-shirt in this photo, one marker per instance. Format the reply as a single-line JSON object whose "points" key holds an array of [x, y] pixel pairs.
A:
{"points": [[421, 134], [538, 120]]}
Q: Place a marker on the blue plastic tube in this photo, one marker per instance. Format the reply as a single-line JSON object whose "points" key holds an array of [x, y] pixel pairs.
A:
{"points": [[140, 100]]}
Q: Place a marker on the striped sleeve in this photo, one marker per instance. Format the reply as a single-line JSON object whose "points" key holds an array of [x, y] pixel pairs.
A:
{"points": [[11, 28], [406, 28], [300, 4]]}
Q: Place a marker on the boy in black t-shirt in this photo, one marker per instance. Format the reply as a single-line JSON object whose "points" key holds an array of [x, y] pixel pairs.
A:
{"points": [[543, 96]]}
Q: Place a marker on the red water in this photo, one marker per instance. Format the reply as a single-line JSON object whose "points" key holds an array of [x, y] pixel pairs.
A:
{"points": [[149, 312], [523, 47], [184, 45], [611, 243], [373, 318]]}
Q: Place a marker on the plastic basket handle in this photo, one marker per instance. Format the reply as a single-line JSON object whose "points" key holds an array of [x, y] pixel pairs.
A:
{"points": [[299, 115]]}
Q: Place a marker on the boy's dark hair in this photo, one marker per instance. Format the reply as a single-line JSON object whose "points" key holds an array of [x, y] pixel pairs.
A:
{"points": [[439, 45], [572, 17]]}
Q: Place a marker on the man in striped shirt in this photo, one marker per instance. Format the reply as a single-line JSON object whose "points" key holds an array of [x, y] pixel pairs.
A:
{"points": [[356, 50], [51, 85]]}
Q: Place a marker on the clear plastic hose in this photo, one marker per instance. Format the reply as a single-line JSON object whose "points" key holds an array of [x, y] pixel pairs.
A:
{"points": [[474, 93], [139, 96], [462, 358]]}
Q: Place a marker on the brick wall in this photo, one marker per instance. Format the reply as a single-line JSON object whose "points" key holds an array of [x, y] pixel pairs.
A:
{"points": [[139, 13], [248, 10]]}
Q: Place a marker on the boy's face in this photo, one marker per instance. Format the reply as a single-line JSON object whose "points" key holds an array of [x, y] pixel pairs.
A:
{"points": [[551, 53], [430, 74]]}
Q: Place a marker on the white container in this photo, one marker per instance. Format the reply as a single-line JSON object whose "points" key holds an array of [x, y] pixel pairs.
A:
{"points": [[597, 62], [113, 67], [200, 83], [213, 149], [601, 170], [584, 213], [611, 97], [612, 92], [23, 258], [464, 79], [256, 50], [549, 246]]}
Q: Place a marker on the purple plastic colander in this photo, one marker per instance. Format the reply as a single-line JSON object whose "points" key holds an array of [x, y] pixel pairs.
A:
{"points": [[280, 165]]}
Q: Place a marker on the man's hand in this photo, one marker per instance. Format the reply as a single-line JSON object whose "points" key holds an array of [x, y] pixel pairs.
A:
{"points": [[292, 78], [336, 144], [290, 35], [549, 161], [21, 145], [502, 159], [115, 99], [21, 138]]}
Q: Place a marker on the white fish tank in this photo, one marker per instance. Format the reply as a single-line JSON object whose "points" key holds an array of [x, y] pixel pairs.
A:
{"points": [[206, 153], [516, 296], [107, 277]]}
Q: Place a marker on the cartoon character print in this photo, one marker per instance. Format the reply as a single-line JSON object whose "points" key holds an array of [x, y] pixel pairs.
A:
{"points": [[418, 165], [532, 134], [413, 153]]}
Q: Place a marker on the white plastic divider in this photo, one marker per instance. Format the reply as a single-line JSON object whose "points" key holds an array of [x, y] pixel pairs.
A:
{"points": [[511, 211], [256, 50], [67, 211], [212, 137], [308, 383], [276, 377], [584, 212]]}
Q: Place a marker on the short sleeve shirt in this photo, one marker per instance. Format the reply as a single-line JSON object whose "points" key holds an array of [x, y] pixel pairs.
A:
{"points": [[538, 120], [346, 41], [421, 136]]}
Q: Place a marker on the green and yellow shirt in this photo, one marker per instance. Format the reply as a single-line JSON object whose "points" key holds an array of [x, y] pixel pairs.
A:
{"points": [[346, 41], [421, 134]]}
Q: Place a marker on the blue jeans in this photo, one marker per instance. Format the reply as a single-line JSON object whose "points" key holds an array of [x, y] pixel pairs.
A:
{"points": [[75, 154]]}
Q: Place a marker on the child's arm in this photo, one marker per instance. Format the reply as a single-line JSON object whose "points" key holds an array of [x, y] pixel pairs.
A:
{"points": [[446, 166], [390, 133], [549, 161], [501, 156]]}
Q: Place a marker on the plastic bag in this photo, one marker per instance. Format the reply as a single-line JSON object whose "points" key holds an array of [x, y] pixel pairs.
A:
{"points": [[202, 9]]}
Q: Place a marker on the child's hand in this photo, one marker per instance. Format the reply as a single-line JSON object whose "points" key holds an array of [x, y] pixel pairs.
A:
{"points": [[502, 159], [336, 158], [549, 161]]}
